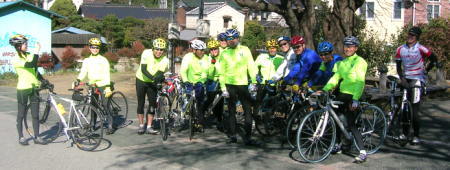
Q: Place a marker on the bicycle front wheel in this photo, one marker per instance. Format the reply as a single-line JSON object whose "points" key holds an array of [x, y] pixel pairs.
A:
{"points": [[117, 105], [163, 109], [49, 122], [311, 144], [371, 122], [86, 127]]}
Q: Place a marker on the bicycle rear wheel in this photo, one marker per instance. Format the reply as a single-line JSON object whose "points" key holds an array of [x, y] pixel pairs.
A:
{"points": [[192, 119], [86, 127], [371, 122], [117, 105], [292, 126], [315, 148], [163, 109], [50, 125]]}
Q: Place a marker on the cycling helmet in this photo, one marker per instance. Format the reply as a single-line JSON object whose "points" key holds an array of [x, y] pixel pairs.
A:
{"points": [[351, 40], [271, 43], [198, 45], [18, 39], [283, 38], [159, 43], [232, 33], [415, 31], [213, 44], [95, 42], [222, 36], [325, 47], [296, 40]]}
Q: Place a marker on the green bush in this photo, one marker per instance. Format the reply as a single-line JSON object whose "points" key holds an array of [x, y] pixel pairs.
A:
{"points": [[8, 76]]}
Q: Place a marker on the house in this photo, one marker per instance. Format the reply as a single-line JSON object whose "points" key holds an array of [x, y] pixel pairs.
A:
{"points": [[20, 17], [220, 17], [71, 36], [421, 11], [387, 17], [98, 11]]}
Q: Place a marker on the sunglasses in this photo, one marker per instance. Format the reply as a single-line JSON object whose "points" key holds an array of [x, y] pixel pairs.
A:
{"points": [[283, 44], [159, 49], [296, 47], [324, 54], [94, 47], [230, 38], [211, 49]]}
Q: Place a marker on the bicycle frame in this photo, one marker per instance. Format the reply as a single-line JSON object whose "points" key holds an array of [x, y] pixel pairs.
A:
{"points": [[324, 119]]}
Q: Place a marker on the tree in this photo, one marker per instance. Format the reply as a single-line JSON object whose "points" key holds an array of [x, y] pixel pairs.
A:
{"points": [[64, 7], [301, 17], [69, 58], [152, 29], [254, 35], [113, 30]]}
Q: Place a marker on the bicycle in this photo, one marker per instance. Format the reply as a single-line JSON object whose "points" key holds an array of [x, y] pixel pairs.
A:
{"points": [[396, 111], [316, 135], [85, 132], [114, 112], [165, 96], [189, 109]]}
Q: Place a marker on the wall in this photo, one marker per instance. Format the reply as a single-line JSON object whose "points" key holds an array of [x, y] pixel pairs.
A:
{"points": [[26, 21], [421, 11], [383, 23]]}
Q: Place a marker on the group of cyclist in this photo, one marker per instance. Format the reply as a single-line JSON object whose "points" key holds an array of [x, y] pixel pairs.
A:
{"points": [[225, 66]]}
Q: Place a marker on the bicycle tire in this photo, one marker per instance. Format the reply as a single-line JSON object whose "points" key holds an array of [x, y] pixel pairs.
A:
{"points": [[373, 127], [117, 106], [192, 115], [306, 130], [164, 107], [86, 132], [50, 125], [294, 121]]}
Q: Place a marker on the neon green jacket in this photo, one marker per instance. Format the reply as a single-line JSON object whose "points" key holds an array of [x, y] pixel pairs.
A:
{"points": [[352, 72], [153, 65], [213, 70], [268, 65], [96, 70], [235, 67], [27, 76], [193, 69]]}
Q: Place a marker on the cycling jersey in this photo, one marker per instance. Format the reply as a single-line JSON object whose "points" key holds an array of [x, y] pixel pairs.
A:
{"points": [[194, 69], [236, 65], [325, 72], [352, 73], [413, 60], [26, 70], [96, 69], [268, 64], [213, 70], [289, 61], [153, 65], [307, 64]]}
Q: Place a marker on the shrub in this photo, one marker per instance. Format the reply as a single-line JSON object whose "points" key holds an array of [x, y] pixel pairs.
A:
{"points": [[69, 58], [126, 52], [46, 61], [85, 52], [112, 57], [138, 48]]}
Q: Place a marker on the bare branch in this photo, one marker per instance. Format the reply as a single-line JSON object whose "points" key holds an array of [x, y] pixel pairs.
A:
{"points": [[261, 6]]}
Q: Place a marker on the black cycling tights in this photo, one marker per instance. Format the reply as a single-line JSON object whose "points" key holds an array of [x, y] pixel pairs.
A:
{"points": [[239, 92], [143, 89], [348, 118], [22, 101]]}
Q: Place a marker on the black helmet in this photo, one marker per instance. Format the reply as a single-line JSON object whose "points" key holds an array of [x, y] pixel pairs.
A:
{"points": [[415, 31]]}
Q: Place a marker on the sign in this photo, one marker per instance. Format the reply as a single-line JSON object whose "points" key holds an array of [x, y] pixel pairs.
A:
{"points": [[174, 31], [202, 28]]}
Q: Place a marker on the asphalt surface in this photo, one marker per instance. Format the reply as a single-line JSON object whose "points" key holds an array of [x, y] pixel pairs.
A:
{"points": [[127, 150]]}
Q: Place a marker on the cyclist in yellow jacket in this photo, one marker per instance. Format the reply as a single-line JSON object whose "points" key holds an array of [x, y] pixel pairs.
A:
{"points": [[25, 65], [150, 72], [212, 84], [194, 72], [95, 69]]}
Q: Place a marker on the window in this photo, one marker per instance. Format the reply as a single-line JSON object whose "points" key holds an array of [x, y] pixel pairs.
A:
{"points": [[398, 10], [226, 20], [432, 11], [367, 10]]}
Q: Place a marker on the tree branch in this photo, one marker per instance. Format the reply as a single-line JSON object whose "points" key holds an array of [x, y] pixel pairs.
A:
{"points": [[262, 6]]}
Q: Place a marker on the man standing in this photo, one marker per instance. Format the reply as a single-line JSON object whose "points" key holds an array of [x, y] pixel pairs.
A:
{"points": [[236, 65]]}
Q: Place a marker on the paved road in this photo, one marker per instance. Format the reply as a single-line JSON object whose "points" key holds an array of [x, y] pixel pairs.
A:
{"points": [[127, 150]]}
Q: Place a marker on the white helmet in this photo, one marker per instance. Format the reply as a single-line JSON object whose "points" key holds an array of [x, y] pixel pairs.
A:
{"points": [[198, 45]]}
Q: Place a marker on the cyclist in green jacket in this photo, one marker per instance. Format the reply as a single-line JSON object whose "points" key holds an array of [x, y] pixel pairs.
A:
{"points": [[267, 64], [25, 65], [212, 84], [95, 69], [194, 72], [350, 75], [236, 65], [150, 72]]}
